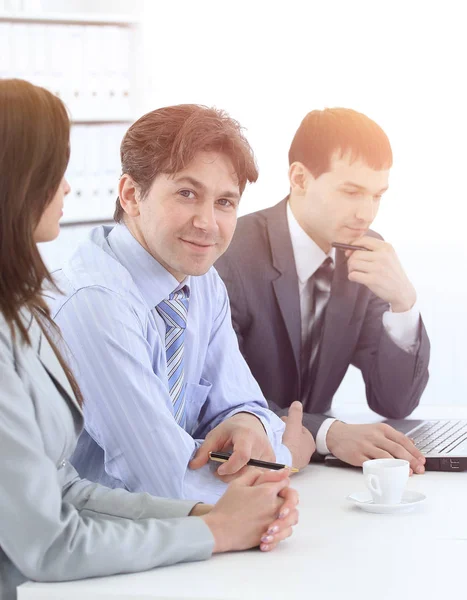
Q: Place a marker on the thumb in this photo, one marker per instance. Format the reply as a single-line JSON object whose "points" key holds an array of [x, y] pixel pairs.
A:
{"points": [[202, 454], [293, 424]]}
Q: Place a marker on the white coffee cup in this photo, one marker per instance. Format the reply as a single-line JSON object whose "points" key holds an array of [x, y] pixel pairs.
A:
{"points": [[386, 479]]}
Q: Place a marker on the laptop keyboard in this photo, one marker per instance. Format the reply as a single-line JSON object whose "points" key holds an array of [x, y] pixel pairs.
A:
{"points": [[436, 437]]}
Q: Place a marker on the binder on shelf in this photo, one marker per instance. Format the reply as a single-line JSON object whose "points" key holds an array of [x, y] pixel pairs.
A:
{"points": [[37, 54], [76, 100], [6, 70], [87, 64]]}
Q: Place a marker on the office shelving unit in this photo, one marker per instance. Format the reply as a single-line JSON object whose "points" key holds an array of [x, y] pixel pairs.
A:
{"points": [[86, 60]]}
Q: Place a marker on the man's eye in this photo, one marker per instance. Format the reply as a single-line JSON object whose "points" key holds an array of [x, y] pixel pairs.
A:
{"points": [[226, 203], [352, 192], [187, 193]]}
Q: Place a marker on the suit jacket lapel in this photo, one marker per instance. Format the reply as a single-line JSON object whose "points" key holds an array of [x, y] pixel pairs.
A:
{"points": [[338, 314], [286, 283], [50, 362]]}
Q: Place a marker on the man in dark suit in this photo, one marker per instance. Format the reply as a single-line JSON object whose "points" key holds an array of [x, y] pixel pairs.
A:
{"points": [[304, 311]]}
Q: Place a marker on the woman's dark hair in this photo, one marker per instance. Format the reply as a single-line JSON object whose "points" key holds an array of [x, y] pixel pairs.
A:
{"points": [[34, 152]]}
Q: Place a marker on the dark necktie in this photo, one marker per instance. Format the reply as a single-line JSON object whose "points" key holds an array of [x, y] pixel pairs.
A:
{"points": [[319, 287]]}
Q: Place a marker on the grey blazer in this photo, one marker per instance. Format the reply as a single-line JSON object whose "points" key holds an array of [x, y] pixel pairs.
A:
{"points": [[55, 526], [261, 278]]}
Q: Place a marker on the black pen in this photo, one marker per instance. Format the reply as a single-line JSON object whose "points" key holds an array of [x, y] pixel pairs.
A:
{"points": [[224, 457], [348, 246]]}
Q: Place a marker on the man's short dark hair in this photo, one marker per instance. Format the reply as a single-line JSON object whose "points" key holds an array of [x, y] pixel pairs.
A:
{"points": [[166, 141], [323, 133]]}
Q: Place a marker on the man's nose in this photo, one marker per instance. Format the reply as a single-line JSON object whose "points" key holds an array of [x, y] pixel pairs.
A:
{"points": [[366, 210], [205, 218]]}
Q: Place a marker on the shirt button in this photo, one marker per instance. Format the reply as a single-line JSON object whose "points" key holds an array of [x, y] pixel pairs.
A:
{"points": [[63, 464]]}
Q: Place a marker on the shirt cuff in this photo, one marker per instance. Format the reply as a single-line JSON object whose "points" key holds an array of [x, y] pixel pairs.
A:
{"points": [[274, 430], [321, 446], [403, 328]]}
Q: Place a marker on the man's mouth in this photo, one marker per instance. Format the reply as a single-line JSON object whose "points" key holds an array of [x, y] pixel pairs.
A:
{"points": [[198, 244]]}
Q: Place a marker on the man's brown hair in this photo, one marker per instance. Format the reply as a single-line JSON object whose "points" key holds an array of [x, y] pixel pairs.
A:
{"points": [[166, 141], [323, 133]]}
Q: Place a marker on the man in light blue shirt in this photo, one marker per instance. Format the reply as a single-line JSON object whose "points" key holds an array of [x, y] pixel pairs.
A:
{"points": [[148, 324]]}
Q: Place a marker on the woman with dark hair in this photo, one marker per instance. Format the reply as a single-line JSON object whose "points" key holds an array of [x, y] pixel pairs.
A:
{"points": [[53, 525]]}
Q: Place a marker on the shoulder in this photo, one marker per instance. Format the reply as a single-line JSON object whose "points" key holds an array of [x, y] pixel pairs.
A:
{"points": [[6, 338], [249, 227], [93, 273], [12, 343], [250, 241], [208, 288]]}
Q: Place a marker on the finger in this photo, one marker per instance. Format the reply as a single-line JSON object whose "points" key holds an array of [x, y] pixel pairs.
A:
{"points": [[363, 266], [357, 460], [406, 442], [248, 478], [362, 255], [379, 453], [370, 242], [280, 524], [359, 277], [399, 451], [268, 540], [211, 443], [269, 475], [229, 478], [290, 495], [273, 490], [240, 456]]}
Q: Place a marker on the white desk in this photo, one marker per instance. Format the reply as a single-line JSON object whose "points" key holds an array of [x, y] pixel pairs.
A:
{"points": [[337, 551]]}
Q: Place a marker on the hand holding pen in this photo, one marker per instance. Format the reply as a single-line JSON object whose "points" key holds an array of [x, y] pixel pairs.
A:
{"points": [[375, 264], [245, 435]]}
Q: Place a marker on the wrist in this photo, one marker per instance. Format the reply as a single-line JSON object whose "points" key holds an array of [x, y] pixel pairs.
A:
{"points": [[200, 509], [403, 304], [249, 419], [220, 544], [334, 434]]}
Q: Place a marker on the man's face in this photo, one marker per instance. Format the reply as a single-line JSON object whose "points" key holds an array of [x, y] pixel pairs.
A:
{"points": [[187, 220], [340, 205]]}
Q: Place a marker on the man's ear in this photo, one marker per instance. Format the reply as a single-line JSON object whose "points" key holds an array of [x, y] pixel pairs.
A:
{"points": [[129, 196], [298, 177]]}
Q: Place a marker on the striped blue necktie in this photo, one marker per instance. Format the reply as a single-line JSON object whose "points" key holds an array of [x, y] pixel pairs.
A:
{"points": [[174, 311]]}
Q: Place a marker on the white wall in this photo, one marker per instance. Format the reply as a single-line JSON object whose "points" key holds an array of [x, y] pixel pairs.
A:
{"points": [[400, 62]]}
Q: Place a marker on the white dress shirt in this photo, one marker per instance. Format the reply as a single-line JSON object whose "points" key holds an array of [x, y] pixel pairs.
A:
{"points": [[401, 327]]}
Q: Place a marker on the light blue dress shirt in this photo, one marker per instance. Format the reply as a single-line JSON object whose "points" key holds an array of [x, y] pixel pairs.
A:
{"points": [[116, 346]]}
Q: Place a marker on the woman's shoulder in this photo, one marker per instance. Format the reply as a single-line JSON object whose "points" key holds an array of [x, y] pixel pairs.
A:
{"points": [[10, 334]]}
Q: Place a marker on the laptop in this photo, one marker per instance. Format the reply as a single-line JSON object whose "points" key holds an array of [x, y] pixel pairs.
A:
{"points": [[443, 442]]}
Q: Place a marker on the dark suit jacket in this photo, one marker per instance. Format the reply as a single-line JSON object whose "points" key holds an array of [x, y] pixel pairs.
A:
{"points": [[261, 278]]}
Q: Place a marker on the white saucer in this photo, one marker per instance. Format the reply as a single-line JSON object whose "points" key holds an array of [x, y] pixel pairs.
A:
{"points": [[364, 501]]}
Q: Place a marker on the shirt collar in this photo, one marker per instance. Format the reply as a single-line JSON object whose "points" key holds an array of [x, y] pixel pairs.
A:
{"points": [[308, 255], [153, 281]]}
